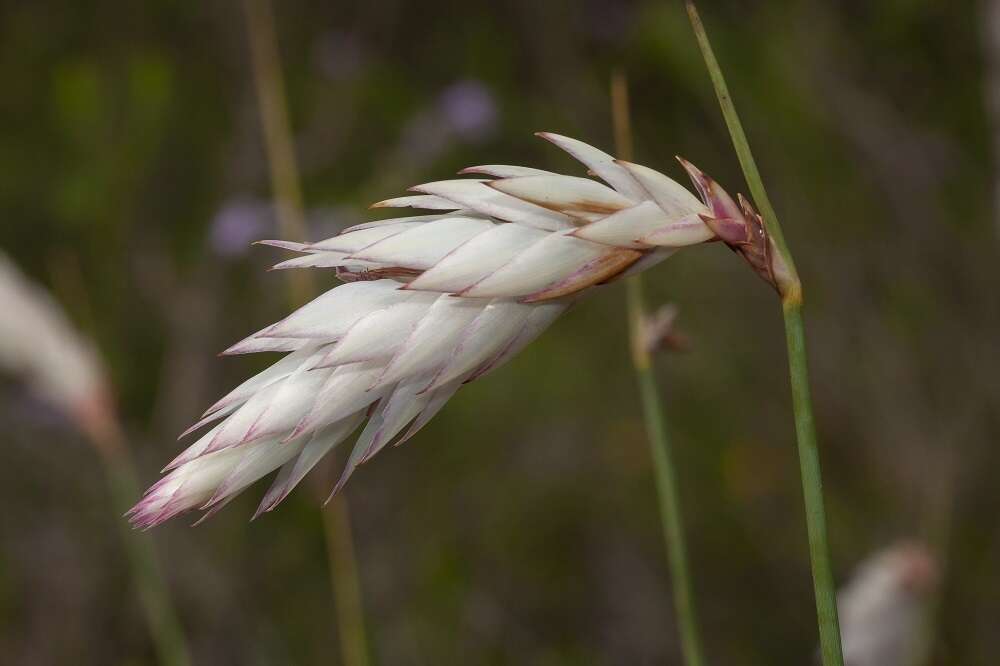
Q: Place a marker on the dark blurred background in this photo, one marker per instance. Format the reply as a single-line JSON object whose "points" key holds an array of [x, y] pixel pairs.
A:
{"points": [[520, 526]]}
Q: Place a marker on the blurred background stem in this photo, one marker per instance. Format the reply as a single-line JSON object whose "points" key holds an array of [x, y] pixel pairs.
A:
{"points": [[805, 427], [100, 423], [656, 430], [284, 171], [164, 625], [287, 188], [347, 586]]}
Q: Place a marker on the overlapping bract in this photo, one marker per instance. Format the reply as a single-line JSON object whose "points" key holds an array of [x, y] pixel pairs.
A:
{"points": [[431, 302]]}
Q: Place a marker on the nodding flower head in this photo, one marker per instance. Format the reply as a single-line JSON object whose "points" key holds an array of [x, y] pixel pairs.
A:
{"points": [[432, 302], [740, 227]]}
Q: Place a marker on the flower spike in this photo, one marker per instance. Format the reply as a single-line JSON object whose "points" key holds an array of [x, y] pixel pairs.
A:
{"points": [[430, 302]]}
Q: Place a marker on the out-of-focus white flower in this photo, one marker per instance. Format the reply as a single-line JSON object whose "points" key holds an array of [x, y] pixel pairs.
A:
{"points": [[432, 302], [38, 343], [883, 608], [659, 331]]}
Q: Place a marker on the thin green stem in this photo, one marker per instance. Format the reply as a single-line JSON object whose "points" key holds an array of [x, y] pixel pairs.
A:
{"points": [[347, 591], [805, 427], [284, 171], [812, 488], [659, 441], [286, 185], [740, 143], [667, 493], [104, 430], [164, 626]]}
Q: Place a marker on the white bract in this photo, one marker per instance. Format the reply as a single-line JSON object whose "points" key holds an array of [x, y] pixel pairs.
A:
{"points": [[431, 302]]}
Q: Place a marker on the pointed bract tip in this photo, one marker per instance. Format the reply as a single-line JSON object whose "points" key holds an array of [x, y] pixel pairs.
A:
{"points": [[201, 423], [151, 511], [551, 137], [304, 423], [254, 433], [702, 183], [712, 194], [747, 207], [234, 350], [341, 482], [219, 404], [181, 458], [202, 518], [270, 502], [729, 231], [333, 493], [283, 245], [694, 172]]}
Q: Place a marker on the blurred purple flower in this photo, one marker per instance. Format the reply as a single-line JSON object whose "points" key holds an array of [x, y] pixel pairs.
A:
{"points": [[469, 109], [240, 222], [465, 111], [243, 220]]}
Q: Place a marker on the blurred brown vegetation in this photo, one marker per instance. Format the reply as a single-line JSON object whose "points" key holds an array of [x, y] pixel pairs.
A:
{"points": [[520, 526]]}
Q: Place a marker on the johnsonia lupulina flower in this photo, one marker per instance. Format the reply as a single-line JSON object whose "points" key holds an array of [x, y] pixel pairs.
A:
{"points": [[432, 302]]}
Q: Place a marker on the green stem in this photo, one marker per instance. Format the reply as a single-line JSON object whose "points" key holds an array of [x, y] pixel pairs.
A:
{"points": [[347, 590], [287, 189], [164, 626], [812, 488], [285, 182], [659, 441], [805, 428], [666, 483], [104, 431]]}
